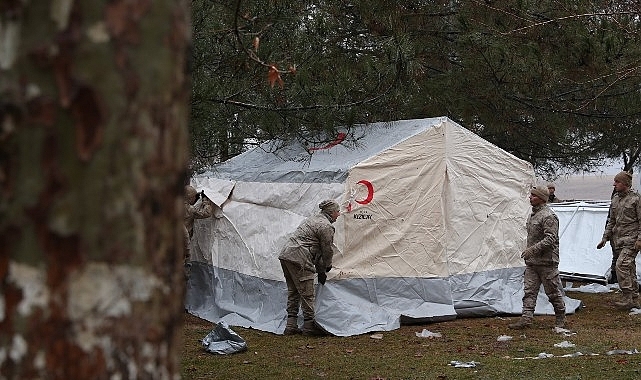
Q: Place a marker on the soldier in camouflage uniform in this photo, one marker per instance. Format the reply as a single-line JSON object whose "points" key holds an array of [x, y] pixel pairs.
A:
{"points": [[541, 260], [552, 198], [192, 211], [624, 230], [308, 251]]}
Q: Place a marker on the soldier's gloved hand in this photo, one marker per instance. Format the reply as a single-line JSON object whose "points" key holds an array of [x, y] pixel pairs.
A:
{"points": [[602, 244], [526, 254], [322, 277], [637, 245], [328, 269]]}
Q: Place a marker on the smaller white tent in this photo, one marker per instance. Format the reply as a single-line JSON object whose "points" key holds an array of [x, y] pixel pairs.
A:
{"points": [[432, 227], [581, 225]]}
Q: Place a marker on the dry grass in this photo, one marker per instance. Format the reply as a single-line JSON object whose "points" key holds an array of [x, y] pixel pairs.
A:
{"points": [[400, 354]]}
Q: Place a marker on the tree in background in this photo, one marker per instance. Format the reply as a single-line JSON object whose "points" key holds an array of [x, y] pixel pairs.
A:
{"points": [[93, 115], [288, 69], [546, 81], [565, 79]]}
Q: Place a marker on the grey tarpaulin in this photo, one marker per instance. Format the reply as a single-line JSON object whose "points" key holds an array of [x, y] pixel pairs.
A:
{"points": [[223, 340]]}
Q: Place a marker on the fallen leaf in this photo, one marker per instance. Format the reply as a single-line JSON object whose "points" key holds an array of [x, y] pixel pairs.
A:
{"points": [[273, 77]]}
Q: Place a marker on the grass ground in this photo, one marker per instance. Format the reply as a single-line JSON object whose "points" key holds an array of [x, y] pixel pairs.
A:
{"points": [[400, 354]]}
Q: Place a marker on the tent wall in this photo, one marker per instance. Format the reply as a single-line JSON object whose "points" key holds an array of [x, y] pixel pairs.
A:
{"points": [[257, 218], [400, 233], [581, 225], [486, 194]]}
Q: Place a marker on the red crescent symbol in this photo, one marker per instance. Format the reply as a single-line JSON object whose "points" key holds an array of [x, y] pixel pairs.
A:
{"points": [[370, 192]]}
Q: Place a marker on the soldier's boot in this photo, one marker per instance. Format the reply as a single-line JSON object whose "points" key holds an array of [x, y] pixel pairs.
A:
{"points": [[626, 302], [310, 329], [524, 322], [635, 301], [560, 319], [292, 326]]}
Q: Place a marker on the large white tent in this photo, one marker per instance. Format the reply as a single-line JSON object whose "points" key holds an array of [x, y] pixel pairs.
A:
{"points": [[432, 227]]}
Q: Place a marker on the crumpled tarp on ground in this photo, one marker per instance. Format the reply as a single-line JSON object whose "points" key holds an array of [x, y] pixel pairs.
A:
{"points": [[223, 340], [591, 288]]}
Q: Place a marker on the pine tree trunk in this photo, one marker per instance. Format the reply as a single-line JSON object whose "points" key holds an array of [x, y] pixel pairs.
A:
{"points": [[93, 152]]}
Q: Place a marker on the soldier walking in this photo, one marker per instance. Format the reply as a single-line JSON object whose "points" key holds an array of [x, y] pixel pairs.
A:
{"points": [[624, 231], [541, 260]]}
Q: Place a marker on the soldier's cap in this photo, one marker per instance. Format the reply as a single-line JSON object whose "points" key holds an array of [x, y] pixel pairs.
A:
{"points": [[624, 177], [329, 205], [541, 192], [190, 192]]}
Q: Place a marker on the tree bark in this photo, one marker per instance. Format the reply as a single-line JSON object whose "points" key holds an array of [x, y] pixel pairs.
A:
{"points": [[93, 154]]}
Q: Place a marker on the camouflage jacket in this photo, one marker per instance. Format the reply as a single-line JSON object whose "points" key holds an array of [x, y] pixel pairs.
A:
{"points": [[312, 244], [554, 199], [204, 209], [624, 221], [542, 237]]}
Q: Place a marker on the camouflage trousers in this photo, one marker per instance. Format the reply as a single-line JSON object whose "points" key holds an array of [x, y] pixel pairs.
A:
{"points": [[186, 245], [300, 290], [627, 271], [533, 278]]}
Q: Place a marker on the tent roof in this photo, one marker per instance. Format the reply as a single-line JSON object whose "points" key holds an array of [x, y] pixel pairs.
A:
{"points": [[292, 162]]}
